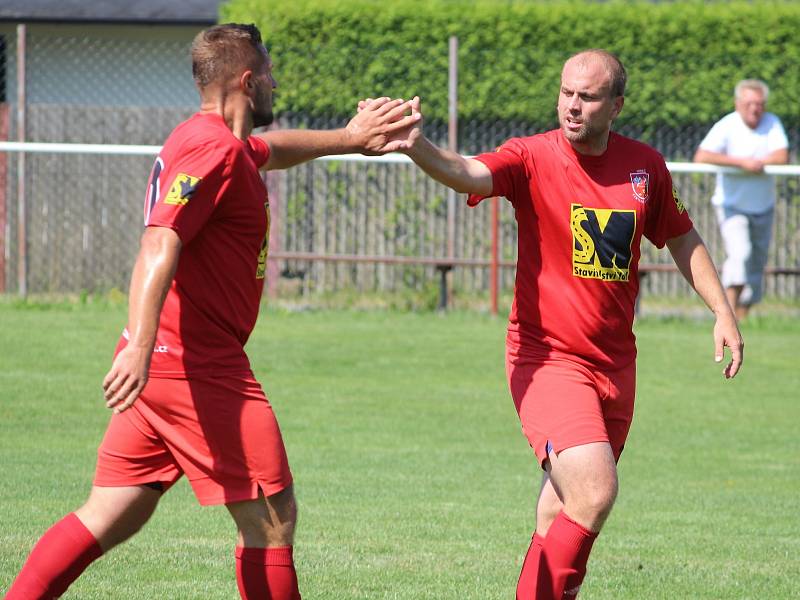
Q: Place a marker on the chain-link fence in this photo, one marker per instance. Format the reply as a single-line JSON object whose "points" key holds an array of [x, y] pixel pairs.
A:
{"points": [[83, 213]]}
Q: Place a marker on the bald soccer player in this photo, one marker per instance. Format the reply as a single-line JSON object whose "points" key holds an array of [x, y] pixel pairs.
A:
{"points": [[583, 198]]}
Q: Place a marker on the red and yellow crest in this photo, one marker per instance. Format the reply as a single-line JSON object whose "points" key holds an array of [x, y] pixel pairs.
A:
{"points": [[640, 183]]}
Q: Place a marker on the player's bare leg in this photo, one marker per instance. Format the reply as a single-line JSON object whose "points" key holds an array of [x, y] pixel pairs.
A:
{"points": [[114, 514], [547, 507], [577, 494], [109, 517], [264, 563], [266, 522], [585, 479]]}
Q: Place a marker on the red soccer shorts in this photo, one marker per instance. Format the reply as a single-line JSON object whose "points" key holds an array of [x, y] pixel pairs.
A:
{"points": [[221, 432], [562, 404]]}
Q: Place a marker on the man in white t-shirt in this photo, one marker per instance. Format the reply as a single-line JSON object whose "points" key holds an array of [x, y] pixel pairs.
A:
{"points": [[747, 138]]}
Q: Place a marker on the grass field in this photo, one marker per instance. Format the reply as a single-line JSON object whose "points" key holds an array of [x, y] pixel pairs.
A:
{"points": [[413, 478]]}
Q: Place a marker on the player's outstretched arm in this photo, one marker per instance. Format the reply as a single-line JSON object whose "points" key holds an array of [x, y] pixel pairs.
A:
{"points": [[150, 281], [465, 175], [692, 258], [382, 126]]}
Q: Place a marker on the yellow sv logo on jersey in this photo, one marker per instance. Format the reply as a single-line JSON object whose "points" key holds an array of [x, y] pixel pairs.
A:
{"points": [[261, 269], [678, 202], [601, 242], [182, 189]]}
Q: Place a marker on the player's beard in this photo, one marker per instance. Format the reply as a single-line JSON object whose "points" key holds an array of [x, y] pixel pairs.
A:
{"points": [[262, 118], [262, 110], [586, 133]]}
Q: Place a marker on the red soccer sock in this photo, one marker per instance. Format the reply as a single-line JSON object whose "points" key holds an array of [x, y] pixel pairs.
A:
{"points": [[58, 558], [565, 553], [526, 586], [266, 574]]}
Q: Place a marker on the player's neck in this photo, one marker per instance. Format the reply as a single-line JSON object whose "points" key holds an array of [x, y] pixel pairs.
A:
{"points": [[595, 147], [233, 111]]}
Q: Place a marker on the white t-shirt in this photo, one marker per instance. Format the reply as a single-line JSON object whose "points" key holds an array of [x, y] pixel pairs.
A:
{"points": [[730, 135]]}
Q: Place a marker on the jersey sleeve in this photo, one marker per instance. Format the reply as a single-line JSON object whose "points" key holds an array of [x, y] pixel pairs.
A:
{"points": [[716, 139], [667, 216], [509, 168], [259, 150], [190, 189], [776, 138]]}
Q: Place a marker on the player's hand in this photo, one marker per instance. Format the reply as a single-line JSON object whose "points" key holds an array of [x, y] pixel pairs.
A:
{"points": [[382, 125], [752, 165], [362, 104], [127, 378], [414, 133], [726, 333]]}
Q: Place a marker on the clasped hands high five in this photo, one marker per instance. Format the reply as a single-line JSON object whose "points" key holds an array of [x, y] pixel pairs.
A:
{"points": [[384, 125]]}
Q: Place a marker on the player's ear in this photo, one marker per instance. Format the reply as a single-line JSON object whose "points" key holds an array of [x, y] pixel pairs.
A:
{"points": [[619, 101], [246, 81]]}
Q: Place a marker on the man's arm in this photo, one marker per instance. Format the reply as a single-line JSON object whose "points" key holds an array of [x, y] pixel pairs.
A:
{"points": [[752, 165], [464, 175], [692, 258], [777, 157], [152, 276], [380, 127]]}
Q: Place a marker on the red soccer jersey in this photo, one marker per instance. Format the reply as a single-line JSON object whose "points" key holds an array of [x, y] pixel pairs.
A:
{"points": [[205, 185], [581, 220]]}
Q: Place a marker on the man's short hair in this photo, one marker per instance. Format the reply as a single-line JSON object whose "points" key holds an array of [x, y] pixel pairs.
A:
{"points": [[616, 70], [219, 52], [751, 84]]}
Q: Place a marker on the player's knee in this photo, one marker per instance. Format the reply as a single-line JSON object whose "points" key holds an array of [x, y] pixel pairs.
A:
{"points": [[285, 510], [111, 529], [593, 500], [113, 515], [267, 520], [282, 507], [599, 500]]}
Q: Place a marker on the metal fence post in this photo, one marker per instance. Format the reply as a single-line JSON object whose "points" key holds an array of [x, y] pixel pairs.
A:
{"points": [[452, 142], [495, 268], [22, 229], [4, 162]]}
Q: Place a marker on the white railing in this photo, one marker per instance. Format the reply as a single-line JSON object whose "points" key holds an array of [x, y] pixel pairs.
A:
{"points": [[134, 150], [56, 260]]}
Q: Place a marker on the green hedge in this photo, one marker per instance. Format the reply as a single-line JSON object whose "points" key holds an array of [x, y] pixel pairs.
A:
{"points": [[683, 58]]}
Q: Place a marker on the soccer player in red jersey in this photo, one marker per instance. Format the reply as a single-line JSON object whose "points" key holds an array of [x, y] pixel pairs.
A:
{"points": [[183, 396], [583, 198]]}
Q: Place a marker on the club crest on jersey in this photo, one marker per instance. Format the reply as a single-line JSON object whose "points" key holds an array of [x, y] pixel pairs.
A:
{"points": [[640, 183], [181, 190], [602, 240]]}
